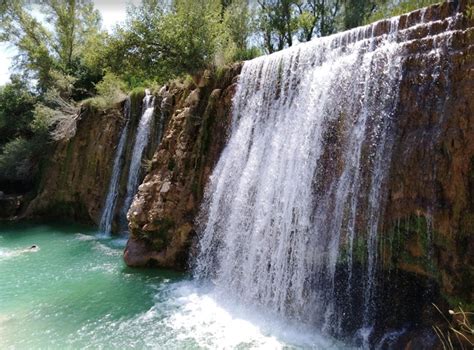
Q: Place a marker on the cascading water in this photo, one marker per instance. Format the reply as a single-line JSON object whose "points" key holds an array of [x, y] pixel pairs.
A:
{"points": [[105, 226], [295, 203], [141, 141]]}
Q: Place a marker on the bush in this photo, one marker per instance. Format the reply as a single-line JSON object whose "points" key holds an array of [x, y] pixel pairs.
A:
{"points": [[16, 110], [247, 54], [110, 91], [16, 160], [111, 88], [56, 116]]}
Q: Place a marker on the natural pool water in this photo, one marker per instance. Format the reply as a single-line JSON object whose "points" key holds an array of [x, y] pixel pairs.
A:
{"points": [[76, 292]]}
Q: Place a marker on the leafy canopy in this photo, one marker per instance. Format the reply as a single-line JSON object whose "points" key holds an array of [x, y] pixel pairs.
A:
{"points": [[59, 43]]}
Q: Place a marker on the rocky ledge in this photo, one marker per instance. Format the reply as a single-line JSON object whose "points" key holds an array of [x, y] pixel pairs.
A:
{"points": [[161, 218]]}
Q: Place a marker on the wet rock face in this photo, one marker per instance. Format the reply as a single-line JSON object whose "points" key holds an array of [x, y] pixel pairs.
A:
{"points": [[426, 241], [162, 215], [429, 219], [75, 180]]}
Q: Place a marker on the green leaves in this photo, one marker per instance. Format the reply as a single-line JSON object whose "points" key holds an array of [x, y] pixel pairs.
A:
{"points": [[16, 104], [15, 159], [381, 9], [160, 43], [59, 46]]}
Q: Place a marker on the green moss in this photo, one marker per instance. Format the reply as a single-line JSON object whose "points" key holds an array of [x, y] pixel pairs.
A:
{"points": [[96, 104], [220, 73], [136, 98], [454, 302], [164, 225], [171, 164], [66, 163], [188, 82], [359, 249], [470, 12], [159, 238], [137, 93], [206, 137], [412, 242], [409, 242]]}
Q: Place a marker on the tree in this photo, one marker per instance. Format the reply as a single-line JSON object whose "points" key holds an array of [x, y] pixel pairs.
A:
{"points": [[73, 25], [277, 23], [16, 109], [160, 42], [239, 27], [356, 12], [238, 22], [317, 18]]}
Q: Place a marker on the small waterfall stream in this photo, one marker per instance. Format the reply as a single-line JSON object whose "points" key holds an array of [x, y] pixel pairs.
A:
{"points": [[294, 205], [105, 226], [141, 141]]}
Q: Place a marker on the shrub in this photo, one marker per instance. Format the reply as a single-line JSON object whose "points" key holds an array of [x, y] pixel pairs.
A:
{"points": [[16, 160], [110, 91]]}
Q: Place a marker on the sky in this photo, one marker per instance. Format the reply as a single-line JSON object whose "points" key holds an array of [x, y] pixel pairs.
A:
{"points": [[112, 12]]}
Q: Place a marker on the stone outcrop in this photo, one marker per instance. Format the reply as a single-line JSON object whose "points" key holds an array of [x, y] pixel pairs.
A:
{"points": [[162, 216], [75, 181], [426, 230]]}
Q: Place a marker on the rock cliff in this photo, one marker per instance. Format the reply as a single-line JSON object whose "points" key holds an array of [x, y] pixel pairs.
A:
{"points": [[75, 180], [162, 216], [429, 219]]}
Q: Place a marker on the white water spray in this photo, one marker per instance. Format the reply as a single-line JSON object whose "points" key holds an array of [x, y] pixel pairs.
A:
{"points": [[105, 226], [301, 179], [141, 141]]}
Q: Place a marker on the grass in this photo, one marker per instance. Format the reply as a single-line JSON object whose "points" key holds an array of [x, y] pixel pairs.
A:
{"points": [[459, 333]]}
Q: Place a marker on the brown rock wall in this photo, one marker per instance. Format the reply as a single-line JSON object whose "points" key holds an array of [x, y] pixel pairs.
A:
{"points": [[75, 180], [161, 218]]}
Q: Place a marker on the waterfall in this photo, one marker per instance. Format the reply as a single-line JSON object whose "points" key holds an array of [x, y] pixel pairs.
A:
{"points": [[106, 220], [141, 141], [294, 205]]}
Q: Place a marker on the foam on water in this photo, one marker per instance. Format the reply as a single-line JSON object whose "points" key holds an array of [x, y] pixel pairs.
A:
{"points": [[105, 249], [83, 237], [212, 322], [188, 316]]}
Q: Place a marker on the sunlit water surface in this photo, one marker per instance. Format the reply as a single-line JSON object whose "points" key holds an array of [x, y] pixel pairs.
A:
{"points": [[76, 292]]}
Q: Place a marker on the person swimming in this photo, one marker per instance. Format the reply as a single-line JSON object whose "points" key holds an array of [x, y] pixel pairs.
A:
{"points": [[33, 248]]}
